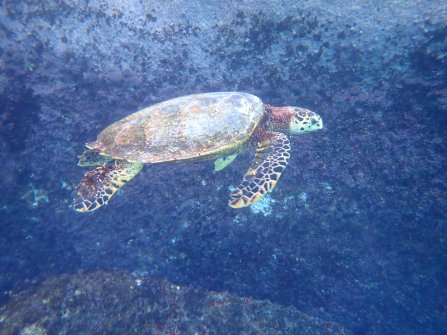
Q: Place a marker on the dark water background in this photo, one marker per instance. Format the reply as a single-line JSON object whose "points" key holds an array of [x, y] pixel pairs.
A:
{"points": [[355, 231]]}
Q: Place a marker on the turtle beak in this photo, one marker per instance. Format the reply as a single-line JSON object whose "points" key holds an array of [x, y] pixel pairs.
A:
{"points": [[317, 122]]}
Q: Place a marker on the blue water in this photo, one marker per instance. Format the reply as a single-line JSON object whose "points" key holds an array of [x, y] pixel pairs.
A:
{"points": [[353, 233]]}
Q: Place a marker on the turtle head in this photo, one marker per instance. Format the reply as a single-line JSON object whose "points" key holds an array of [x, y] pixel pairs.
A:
{"points": [[292, 120], [304, 121]]}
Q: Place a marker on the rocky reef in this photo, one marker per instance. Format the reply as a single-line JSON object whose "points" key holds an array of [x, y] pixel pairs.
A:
{"points": [[113, 302], [354, 232]]}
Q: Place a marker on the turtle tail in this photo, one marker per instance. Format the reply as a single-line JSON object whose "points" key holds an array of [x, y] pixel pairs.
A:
{"points": [[101, 183]]}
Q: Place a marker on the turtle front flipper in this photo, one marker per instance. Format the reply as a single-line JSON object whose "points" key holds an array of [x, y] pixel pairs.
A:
{"points": [[100, 184], [272, 157], [222, 162]]}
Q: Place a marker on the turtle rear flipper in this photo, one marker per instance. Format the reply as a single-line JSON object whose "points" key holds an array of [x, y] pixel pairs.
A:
{"points": [[91, 157], [100, 184], [272, 157]]}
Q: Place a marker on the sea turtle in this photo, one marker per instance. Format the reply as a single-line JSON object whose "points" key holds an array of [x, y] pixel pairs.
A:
{"points": [[217, 125]]}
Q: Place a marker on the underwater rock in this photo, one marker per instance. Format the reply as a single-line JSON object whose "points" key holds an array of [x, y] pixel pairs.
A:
{"points": [[263, 206], [365, 249], [121, 303]]}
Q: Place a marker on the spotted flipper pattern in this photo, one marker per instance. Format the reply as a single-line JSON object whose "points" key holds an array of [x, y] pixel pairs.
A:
{"points": [[272, 157], [101, 183], [92, 157]]}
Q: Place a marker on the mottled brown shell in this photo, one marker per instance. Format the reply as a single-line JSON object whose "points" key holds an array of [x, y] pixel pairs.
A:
{"points": [[192, 127]]}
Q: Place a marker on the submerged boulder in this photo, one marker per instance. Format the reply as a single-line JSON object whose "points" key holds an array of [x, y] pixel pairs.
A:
{"points": [[121, 303]]}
